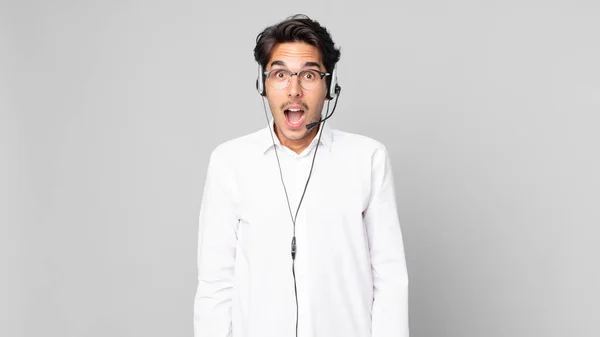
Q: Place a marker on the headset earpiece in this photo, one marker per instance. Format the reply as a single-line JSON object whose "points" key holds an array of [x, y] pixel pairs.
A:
{"points": [[260, 81], [334, 88]]}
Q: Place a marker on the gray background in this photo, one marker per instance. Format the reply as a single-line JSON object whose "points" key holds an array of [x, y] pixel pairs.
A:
{"points": [[489, 109]]}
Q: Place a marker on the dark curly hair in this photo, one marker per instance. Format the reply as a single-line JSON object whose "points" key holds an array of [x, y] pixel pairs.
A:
{"points": [[297, 28]]}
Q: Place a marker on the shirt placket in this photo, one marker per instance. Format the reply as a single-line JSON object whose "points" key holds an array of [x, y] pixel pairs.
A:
{"points": [[302, 276], [295, 175]]}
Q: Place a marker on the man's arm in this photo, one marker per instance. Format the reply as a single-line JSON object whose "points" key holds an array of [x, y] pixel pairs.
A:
{"points": [[390, 279], [216, 256]]}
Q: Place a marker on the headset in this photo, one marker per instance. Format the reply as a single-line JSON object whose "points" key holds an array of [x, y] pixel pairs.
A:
{"points": [[332, 91]]}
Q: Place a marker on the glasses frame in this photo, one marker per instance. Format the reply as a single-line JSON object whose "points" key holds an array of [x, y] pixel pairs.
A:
{"points": [[297, 73]]}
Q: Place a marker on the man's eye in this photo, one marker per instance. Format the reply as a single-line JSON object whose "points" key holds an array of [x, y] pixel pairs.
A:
{"points": [[280, 74], [309, 75]]}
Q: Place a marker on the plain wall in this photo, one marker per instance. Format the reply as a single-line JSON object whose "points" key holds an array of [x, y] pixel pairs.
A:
{"points": [[489, 109]]}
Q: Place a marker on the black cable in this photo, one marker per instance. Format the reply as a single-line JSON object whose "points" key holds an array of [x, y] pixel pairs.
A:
{"points": [[293, 218]]}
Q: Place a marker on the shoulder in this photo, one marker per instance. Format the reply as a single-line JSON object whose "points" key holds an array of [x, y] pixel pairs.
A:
{"points": [[362, 151], [357, 143], [233, 150]]}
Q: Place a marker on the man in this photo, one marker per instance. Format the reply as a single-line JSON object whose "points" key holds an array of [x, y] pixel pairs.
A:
{"points": [[279, 257]]}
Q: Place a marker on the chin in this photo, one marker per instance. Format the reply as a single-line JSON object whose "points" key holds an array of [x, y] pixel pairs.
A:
{"points": [[295, 134]]}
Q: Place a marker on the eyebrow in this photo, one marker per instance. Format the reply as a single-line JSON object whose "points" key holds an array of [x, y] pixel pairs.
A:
{"points": [[307, 64]]}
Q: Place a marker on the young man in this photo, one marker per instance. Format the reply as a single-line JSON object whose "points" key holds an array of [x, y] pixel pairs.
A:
{"points": [[299, 233]]}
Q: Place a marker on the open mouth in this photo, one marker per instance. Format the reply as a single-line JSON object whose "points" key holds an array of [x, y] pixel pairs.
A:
{"points": [[294, 116]]}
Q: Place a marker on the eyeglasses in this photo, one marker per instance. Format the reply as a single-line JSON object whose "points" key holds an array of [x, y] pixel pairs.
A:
{"points": [[310, 79]]}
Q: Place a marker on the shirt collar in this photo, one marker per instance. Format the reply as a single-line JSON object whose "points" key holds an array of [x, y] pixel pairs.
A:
{"points": [[266, 143]]}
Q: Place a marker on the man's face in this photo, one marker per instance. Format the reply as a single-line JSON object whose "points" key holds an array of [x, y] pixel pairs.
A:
{"points": [[294, 107]]}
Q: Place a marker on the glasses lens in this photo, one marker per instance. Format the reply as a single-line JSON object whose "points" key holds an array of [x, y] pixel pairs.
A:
{"points": [[309, 79], [279, 78]]}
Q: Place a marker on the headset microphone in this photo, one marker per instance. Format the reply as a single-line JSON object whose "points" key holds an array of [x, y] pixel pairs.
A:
{"points": [[338, 89]]}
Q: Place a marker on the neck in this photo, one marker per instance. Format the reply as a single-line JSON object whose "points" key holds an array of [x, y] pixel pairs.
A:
{"points": [[297, 145]]}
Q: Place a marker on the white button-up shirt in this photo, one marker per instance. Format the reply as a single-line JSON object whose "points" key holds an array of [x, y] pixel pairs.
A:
{"points": [[350, 265]]}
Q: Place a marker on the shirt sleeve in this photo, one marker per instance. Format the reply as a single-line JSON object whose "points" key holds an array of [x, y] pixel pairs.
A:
{"points": [[216, 256], [390, 279]]}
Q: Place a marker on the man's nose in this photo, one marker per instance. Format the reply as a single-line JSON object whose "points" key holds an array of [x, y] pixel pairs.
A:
{"points": [[294, 88]]}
